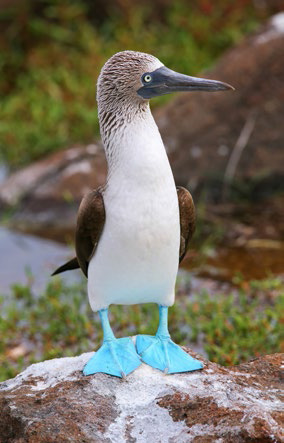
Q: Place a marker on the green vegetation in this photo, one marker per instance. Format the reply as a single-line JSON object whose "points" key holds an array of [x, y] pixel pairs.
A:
{"points": [[51, 53], [58, 322]]}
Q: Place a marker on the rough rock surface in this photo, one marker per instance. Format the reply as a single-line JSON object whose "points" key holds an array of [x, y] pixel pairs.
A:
{"points": [[53, 402]]}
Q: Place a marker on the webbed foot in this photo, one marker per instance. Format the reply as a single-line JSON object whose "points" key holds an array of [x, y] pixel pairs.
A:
{"points": [[116, 357], [162, 353]]}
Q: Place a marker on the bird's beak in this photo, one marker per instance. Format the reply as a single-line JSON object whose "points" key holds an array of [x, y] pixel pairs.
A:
{"points": [[164, 81]]}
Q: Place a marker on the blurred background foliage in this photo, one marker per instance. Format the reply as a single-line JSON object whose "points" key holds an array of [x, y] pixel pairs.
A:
{"points": [[51, 53]]}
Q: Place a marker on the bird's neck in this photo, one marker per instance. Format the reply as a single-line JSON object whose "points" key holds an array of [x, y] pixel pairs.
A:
{"points": [[134, 149]]}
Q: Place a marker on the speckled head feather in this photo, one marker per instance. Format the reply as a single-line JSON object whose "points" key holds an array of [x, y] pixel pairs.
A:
{"points": [[118, 83], [120, 78]]}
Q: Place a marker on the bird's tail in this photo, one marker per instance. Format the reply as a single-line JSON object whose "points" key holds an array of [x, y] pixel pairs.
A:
{"points": [[71, 264]]}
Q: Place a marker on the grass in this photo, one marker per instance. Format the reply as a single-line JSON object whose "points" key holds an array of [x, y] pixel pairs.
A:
{"points": [[49, 63], [58, 322]]}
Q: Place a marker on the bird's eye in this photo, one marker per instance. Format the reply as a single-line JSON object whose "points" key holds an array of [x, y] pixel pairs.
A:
{"points": [[147, 78]]}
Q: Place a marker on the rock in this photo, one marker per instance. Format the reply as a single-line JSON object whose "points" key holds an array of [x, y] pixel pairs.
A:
{"points": [[53, 402], [46, 194], [200, 130], [41, 178]]}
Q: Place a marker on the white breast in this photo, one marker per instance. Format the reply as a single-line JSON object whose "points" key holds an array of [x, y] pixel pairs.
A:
{"points": [[137, 256]]}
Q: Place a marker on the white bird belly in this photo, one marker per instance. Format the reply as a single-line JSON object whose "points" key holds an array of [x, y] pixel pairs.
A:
{"points": [[136, 260]]}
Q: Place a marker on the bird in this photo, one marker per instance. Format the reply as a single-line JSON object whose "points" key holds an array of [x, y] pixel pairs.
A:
{"points": [[133, 232]]}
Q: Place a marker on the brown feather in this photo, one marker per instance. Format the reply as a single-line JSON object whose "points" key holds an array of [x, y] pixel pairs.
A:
{"points": [[68, 266], [90, 223], [187, 219]]}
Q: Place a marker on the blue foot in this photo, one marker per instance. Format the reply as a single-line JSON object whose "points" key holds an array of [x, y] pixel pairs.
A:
{"points": [[115, 357], [162, 353]]}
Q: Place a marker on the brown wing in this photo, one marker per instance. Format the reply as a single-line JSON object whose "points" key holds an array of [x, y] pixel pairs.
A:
{"points": [[90, 223], [187, 219]]}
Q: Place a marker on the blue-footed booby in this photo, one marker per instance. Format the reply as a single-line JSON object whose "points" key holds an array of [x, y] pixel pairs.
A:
{"points": [[133, 232]]}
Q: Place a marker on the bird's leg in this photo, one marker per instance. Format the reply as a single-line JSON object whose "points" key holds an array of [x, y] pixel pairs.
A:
{"points": [[116, 356], [163, 330], [161, 352], [108, 333]]}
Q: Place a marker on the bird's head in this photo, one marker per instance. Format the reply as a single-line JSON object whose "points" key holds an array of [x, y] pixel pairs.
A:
{"points": [[135, 77]]}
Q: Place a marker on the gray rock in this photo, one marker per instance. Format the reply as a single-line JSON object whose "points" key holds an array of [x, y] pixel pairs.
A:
{"points": [[45, 195], [52, 401], [53, 176]]}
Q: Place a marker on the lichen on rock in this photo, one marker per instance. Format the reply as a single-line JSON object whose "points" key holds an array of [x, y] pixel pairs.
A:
{"points": [[52, 401]]}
